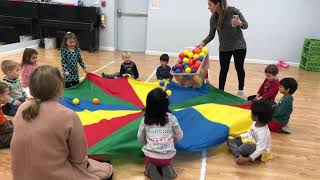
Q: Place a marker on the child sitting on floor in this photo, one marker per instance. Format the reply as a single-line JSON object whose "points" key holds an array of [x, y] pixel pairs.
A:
{"points": [[6, 127], [163, 71], [284, 108], [270, 86], [258, 138], [127, 68], [159, 130], [17, 95]]}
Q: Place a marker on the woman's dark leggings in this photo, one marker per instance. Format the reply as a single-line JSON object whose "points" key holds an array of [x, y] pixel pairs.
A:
{"points": [[225, 57]]}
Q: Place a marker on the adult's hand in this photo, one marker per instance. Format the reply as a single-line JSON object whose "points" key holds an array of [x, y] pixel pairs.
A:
{"points": [[237, 22], [200, 45]]}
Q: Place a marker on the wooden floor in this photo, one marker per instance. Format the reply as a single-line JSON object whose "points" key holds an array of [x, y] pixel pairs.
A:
{"points": [[296, 156]]}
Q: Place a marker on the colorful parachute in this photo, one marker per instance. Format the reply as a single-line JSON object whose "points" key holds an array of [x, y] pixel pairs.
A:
{"points": [[206, 115]]}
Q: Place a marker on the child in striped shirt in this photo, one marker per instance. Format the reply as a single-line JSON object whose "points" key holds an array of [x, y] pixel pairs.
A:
{"points": [[17, 95], [159, 130]]}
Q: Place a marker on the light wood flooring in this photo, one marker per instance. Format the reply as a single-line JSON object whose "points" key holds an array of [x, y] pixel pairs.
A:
{"points": [[296, 156]]}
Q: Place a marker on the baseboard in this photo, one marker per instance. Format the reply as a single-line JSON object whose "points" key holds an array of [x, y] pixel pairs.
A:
{"points": [[216, 58], [15, 48], [107, 48]]}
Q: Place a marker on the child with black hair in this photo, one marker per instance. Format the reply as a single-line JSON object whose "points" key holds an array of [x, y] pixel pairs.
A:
{"points": [[281, 117], [159, 130], [163, 71], [254, 144], [6, 126]]}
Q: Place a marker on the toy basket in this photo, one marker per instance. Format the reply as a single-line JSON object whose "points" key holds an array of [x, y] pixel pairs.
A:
{"points": [[196, 79]]}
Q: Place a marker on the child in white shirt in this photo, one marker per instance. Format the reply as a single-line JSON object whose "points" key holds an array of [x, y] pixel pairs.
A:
{"points": [[254, 144]]}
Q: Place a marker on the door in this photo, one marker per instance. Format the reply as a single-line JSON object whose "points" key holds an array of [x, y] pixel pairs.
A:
{"points": [[132, 25]]}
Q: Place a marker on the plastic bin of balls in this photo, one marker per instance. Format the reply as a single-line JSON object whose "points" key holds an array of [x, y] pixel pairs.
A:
{"points": [[192, 67]]}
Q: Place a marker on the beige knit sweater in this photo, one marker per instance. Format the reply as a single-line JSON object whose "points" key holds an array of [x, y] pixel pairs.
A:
{"points": [[52, 146]]}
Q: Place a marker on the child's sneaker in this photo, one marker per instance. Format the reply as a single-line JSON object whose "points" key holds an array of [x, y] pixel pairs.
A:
{"points": [[240, 93], [286, 129]]}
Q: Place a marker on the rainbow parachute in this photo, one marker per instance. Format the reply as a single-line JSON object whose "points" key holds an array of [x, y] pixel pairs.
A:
{"points": [[206, 115]]}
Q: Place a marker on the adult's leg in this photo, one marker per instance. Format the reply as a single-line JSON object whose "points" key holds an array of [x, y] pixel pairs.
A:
{"points": [[239, 57], [224, 57]]}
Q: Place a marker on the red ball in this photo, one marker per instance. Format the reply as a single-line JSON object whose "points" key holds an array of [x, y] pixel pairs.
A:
{"points": [[179, 66], [197, 51], [181, 55], [196, 66], [180, 61], [198, 62], [189, 64]]}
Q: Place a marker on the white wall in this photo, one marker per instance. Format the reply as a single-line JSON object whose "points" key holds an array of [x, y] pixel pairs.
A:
{"points": [[276, 30], [107, 35]]}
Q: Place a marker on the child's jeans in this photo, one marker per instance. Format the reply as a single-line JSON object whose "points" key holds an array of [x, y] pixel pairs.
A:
{"points": [[237, 147], [6, 131]]}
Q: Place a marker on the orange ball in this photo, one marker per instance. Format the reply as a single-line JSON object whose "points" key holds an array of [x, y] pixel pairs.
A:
{"points": [[95, 101], [197, 51]]}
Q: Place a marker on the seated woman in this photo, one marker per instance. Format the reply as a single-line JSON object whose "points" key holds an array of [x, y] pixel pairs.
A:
{"points": [[48, 140]]}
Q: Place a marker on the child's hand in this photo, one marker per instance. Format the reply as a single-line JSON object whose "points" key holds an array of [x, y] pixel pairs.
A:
{"points": [[18, 103], [125, 75], [259, 98], [66, 73], [85, 70], [243, 160]]}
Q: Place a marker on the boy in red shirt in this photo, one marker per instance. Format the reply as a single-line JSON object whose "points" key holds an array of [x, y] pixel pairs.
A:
{"points": [[270, 86]]}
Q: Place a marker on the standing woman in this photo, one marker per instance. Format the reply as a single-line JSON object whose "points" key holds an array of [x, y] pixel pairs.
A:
{"points": [[229, 22]]}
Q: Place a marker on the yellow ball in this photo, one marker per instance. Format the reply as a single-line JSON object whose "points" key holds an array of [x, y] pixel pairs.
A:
{"points": [[185, 60], [203, 54], [205, 49], [188, 70], [196, 56], [169, 92], [186, 52], [75, 101], [190, 55]]}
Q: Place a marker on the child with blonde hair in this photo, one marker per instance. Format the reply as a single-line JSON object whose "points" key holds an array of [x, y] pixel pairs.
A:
{"points": [[70, 57], [17, 95], [127, 68]]}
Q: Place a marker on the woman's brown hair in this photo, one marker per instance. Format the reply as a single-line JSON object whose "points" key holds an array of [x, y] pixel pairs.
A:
{"points": [[69, 35], [45, 83], [218, 17]]}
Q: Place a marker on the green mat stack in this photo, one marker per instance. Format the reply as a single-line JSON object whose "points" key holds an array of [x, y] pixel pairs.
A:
{"points": [[310, 57]]}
